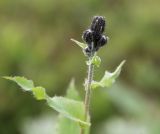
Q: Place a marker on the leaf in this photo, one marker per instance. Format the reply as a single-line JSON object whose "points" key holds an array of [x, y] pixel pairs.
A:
{"points": [[67, 126], [109, 78], [96, 60], [72, 93], [80, 44], [69, 108], [25, 84], [96, 84], [39, 93]]}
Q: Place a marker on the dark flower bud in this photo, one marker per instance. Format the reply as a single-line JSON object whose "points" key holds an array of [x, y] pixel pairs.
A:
{"points": [[94, 37], [97, 48], [102, 41], [88, 36], [87, 51], [98, 24]]}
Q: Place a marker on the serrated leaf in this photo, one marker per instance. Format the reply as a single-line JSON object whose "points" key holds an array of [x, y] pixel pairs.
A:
{"points": [[69, 108], [72, 109], [39, 93], [25, 84], [72, 93], [80, 44], [109, 78]]}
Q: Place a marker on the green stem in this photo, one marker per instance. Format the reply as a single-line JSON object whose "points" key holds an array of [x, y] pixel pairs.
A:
{"points": [[88, 91]]}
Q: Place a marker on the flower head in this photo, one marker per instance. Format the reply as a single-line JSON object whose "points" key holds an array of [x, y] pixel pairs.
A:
{"points": [[94, 35]]}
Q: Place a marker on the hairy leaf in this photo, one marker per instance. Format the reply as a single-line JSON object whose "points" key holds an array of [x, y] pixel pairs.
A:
{"points": [[109, 78], [25, 84], [71, 109]]}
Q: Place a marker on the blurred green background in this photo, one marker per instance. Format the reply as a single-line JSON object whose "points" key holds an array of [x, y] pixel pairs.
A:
{"points": [[35, 43]]}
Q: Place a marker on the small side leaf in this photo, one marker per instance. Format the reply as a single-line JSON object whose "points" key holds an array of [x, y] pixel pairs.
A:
{"points": [[80, 44], [109, 78], [96, 84], [69, 108], [39, 93], [25, 84], [96, 60]]}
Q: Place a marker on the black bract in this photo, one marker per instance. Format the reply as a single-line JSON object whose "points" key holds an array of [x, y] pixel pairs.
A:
{"points": [[94, 36]]}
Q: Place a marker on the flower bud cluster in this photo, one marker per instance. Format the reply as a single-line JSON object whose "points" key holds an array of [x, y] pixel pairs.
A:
{"points": [[94, 36]]}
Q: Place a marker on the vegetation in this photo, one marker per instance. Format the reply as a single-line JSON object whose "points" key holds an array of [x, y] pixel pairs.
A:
{"points": [[34, 42], [76, 111]]}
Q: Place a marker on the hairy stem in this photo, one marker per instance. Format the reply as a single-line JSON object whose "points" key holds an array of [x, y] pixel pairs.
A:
{"points": [[88, 91]]}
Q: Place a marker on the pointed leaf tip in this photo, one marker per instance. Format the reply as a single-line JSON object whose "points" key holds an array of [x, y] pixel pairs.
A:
{"points": [[27, 85], [72, 92], [24, 83], [109, 78], [80, 44], [117, 72]]}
